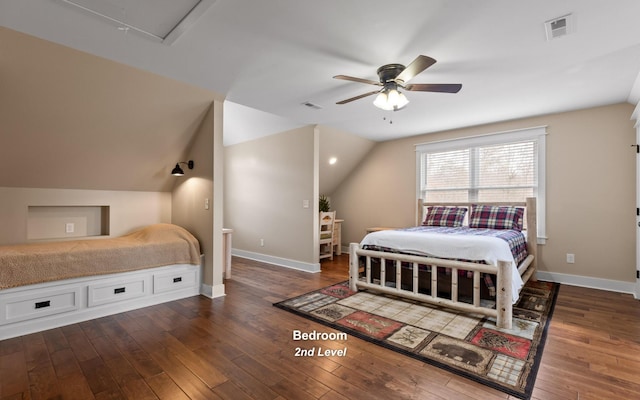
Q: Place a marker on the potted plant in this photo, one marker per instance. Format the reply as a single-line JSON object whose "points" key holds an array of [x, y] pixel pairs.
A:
{"points": [[324, 204]]}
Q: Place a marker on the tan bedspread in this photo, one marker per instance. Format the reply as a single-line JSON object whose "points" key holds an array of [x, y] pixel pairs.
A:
{"points": [[154, 246]]}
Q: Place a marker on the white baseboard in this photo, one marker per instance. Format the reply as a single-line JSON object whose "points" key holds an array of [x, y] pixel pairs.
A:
{"points": [[218, 291], [588, 282], [281, 262], [212, 291], [567, 279], [206, 290]]}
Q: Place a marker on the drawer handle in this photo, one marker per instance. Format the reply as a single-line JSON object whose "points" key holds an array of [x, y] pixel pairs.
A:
{"points": [[119, 290], [178, 279], [43, 304]]}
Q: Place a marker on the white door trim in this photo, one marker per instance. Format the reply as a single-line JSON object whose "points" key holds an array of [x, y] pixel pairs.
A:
{"points": [[636, 117]]}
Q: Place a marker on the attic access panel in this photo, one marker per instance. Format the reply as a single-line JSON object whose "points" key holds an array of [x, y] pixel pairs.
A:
{"points": [[161, 19]]}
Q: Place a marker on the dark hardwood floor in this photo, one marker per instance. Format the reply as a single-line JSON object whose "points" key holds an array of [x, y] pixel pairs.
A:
{"points": [[241, 347]]}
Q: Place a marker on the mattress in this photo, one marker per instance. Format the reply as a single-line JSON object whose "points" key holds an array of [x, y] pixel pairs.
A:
{"points": [[153, 246], [458, 243]]}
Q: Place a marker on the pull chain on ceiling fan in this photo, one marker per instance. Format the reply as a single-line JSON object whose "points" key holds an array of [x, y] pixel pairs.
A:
{"points": [[394, 77]]}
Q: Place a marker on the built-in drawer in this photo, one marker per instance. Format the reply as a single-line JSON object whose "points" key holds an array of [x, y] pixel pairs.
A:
{"points": [[164, 282], [38, 304], [114, 291]]}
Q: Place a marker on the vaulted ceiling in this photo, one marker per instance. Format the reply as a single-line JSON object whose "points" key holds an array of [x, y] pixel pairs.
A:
{"points": [[275, 55], [268, 58]]}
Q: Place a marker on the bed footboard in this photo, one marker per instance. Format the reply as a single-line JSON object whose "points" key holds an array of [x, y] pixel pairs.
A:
{"points": [[503, 271]]}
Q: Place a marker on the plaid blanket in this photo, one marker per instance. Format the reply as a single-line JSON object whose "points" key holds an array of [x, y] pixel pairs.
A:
{"points": [[515, 240]]}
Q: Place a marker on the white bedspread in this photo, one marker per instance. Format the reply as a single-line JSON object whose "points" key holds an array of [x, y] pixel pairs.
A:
{"points": [[440, 245]]}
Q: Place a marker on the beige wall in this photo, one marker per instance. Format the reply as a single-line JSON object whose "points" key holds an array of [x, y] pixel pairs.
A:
{"points": [[590, 189], [69, 119], [127, 210], [266, 181], [193, 189]]}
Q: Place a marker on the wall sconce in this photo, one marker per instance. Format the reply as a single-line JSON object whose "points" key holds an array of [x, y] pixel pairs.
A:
{"points": [[177, 171]]}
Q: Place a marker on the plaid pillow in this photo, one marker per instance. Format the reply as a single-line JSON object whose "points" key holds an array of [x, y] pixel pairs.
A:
{"points": [[445, 216], [496, 217]]}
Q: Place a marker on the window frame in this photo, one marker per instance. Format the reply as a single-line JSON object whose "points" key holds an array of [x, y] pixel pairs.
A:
{"points": [[537, 134]]}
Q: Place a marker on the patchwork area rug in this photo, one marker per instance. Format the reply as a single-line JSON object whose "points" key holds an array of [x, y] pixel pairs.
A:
{"points": [[466, 344]]}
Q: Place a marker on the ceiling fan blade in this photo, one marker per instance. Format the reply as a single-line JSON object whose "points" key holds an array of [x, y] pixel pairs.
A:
{"points": [[357, 97], [418, 65], [353, 79], [434, 87]]}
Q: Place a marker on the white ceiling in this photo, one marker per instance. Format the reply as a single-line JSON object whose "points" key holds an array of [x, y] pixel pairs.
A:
{"points": [[274, 55], [156, 18]]}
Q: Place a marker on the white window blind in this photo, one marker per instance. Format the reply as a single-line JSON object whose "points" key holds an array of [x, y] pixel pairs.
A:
{"points": [[499, 167]]}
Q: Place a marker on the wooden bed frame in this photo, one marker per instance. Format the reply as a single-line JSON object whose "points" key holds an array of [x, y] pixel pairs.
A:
{"points": [[503, 271]]}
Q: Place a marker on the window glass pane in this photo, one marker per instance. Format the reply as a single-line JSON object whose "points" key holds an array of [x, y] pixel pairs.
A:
{"points": [[447, 196], [448, 170], [507, 165], [519, 194]]}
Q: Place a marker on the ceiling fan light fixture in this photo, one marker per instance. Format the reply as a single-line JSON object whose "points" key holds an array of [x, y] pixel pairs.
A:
{"points": [[381, 100], [390, 100], [394, 76]]}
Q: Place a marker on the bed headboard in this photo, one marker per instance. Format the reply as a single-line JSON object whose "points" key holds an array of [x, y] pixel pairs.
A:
{"points": [[530, 215]]}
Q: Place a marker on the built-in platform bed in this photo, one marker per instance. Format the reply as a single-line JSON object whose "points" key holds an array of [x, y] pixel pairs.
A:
{"points": [[47, 285], [34, 308]]}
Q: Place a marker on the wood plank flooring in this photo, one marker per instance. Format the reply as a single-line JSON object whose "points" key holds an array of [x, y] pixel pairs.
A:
{"points": [[241, 347]]}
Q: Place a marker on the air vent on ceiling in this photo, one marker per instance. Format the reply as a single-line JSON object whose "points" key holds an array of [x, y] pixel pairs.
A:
{"points": [[559, 27], [311, 105]]}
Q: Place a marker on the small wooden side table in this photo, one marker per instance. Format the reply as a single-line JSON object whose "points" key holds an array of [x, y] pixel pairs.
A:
{"points": [[337, 236], [379, 228], [226, 250]]}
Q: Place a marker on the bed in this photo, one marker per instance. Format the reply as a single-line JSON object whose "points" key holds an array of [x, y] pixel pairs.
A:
{"points": [[50, 284], [473, 257]]}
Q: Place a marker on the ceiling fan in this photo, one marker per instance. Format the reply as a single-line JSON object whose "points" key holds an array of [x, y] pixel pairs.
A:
{"points": [[396, 76]]}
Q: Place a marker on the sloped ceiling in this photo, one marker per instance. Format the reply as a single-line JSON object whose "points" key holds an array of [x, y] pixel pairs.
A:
{"points": [[242, 124], [65, 115], [346, 149], [274, 55], [69, 119]]}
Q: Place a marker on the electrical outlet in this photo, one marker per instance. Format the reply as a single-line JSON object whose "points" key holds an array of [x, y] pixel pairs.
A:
{"points": [[571, 258], [69, 227], [206, 204], [261, 242]]}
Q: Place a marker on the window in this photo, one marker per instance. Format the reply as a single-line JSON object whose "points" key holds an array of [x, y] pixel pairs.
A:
{"points": [[507, 166]]}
